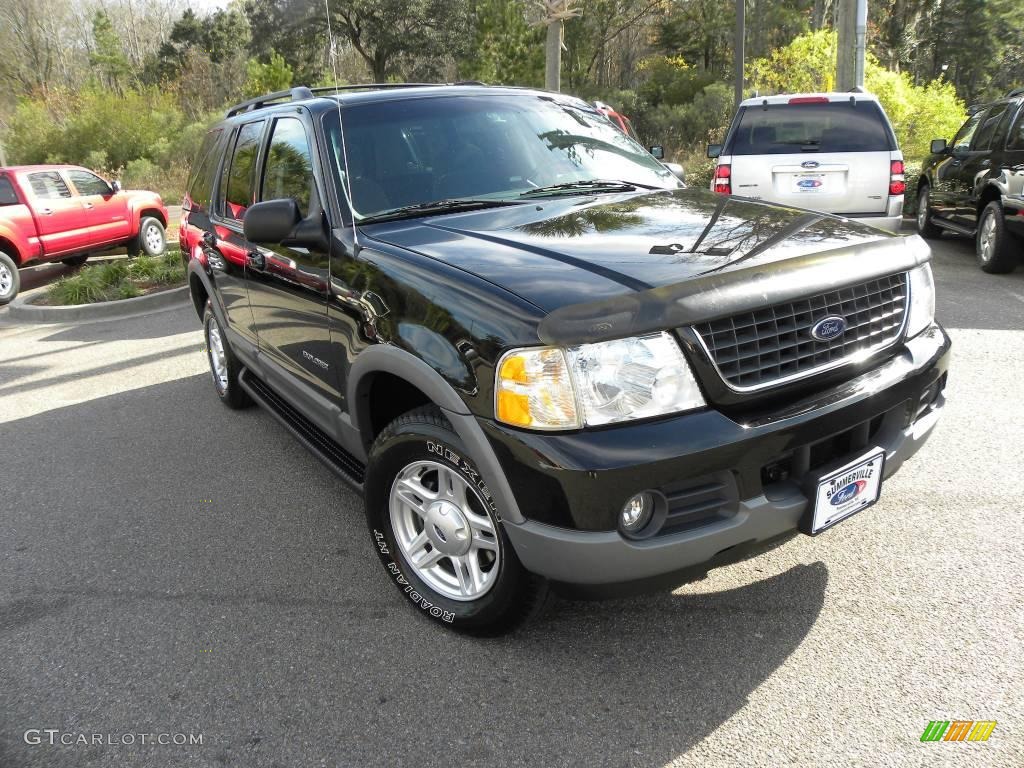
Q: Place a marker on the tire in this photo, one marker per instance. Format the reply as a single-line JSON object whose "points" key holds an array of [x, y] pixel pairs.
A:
{"points": [[997, 252], [76, 261], [925, 227], [152, 240], [224, 366], [10, 280], [420, 452]]}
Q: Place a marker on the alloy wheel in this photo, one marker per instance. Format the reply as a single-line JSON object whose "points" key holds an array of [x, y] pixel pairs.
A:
{"points": [[6, 279], [218, 358], [153, 239], [922, 211], [987, 238], [444, 530]]}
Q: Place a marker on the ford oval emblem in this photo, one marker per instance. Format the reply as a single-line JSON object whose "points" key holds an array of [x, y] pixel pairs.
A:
{"points": [[848, 492], [829, 328], [809, 164]]}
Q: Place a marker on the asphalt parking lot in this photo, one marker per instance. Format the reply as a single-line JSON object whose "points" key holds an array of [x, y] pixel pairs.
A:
{"points": [[169, 566]]}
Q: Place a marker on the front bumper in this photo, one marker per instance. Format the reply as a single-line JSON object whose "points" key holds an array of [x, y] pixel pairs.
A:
{"points": [[586, 477]]}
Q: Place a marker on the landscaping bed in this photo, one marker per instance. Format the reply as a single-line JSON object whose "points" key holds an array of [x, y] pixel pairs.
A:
{"points": [[120, 279]]}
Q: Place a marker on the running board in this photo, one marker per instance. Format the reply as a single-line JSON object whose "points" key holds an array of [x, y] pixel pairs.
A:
{"points": [[958, 228], [322, 445]]}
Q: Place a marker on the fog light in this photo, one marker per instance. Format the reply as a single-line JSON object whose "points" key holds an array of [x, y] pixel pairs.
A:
{"points": [[637, 512]]}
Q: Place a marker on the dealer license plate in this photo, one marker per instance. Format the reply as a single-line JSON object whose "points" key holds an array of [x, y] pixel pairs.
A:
{"points": [[848, 490]]}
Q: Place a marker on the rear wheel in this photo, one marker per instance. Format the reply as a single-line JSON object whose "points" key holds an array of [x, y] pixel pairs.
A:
{"points": [[224, 366], [10, 281], [438, 532], [924, 215], [996, 251]]}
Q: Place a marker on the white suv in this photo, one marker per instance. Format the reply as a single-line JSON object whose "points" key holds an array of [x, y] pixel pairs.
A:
{"points": [[830, 152]]}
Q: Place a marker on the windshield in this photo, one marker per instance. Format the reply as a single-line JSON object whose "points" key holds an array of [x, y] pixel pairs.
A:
{"points": [[416, 151]]}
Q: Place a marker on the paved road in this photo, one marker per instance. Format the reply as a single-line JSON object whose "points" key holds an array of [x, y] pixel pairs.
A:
{"points": [[168, 566]]}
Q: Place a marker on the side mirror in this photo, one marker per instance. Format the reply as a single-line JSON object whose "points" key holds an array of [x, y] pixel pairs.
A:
{"points": [[677, 170], [938, 146], [714, 150], [115, 186], [271, 221], [658, 151]]}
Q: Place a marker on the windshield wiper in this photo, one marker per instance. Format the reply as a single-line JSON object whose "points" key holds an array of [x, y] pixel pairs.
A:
{"points": [[588, 185], [448, 205]]}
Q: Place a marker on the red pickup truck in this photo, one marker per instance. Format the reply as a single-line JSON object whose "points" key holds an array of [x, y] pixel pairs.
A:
{"points": [[66, 213]]}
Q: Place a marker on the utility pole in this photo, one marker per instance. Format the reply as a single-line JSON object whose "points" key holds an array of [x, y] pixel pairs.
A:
{"points": [[553, 14], [738, 50], [851, 24], [862, 33]]}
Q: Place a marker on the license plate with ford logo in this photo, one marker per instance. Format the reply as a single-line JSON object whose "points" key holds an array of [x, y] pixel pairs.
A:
{"points": [[845, 491], [809, 182]]}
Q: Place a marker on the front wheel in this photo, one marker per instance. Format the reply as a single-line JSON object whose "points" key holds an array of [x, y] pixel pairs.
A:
{"points": [[438, 532], [993, 246], [152, 240], [924, 215], [10, 281]]}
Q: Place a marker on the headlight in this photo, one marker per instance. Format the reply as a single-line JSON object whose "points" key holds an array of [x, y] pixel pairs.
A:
{"points": [[922, 300], [595, 384]]}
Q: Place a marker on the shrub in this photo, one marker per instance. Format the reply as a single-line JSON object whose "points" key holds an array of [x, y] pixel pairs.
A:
{"points": [[120, 279]]}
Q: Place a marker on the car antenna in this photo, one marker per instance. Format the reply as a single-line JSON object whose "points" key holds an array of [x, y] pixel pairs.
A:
{"points": [[347, 186]]}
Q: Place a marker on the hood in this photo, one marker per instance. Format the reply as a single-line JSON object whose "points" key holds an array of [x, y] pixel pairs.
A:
{"points": [[560, 252]]}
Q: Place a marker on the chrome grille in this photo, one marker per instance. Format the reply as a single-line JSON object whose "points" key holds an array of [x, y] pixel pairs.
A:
{"points": [[771, 345]]}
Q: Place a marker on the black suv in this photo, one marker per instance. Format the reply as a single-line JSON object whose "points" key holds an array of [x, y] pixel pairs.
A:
{"points": [[975, 185], [543, 361]]}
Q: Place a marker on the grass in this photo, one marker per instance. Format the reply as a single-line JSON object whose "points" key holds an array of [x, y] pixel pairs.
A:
{"points": [[121, 279]]}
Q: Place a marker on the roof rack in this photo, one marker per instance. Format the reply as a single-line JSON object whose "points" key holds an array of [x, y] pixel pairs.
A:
{"points": [[302, 92]]}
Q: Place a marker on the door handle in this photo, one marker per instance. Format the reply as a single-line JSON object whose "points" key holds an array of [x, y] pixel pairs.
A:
{"points": [[46, 211], [256, 260], [87, 205]]}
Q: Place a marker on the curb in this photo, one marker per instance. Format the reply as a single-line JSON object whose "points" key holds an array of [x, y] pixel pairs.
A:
{"points": [[22, 309]]}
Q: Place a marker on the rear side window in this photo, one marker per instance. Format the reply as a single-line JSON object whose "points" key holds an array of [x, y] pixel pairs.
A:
{"points": [[200, 185], [240, 187], [987, 128], [89, 183], [7, 194], [1016, 138], [780, 129], [288, 170], [48, 185]]}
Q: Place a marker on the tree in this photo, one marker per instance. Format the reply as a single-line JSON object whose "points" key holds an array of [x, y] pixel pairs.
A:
{"points": [[386, 33], [107, 55], [274, 75]]}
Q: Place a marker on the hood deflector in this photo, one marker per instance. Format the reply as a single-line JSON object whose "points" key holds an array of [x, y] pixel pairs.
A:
{"points": [[720, 294]]}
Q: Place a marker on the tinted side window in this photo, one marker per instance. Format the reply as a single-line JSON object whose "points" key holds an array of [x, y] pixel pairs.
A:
{"points": [[48, 185], [1015, 140], [89, 183], [288, 171], [987, 128], [7, 194], [793, 128], [241, 177], [200, 185], [963, 137]]}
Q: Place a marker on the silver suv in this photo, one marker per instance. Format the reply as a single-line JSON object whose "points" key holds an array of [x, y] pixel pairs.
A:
{"points": [[830, 152]]}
